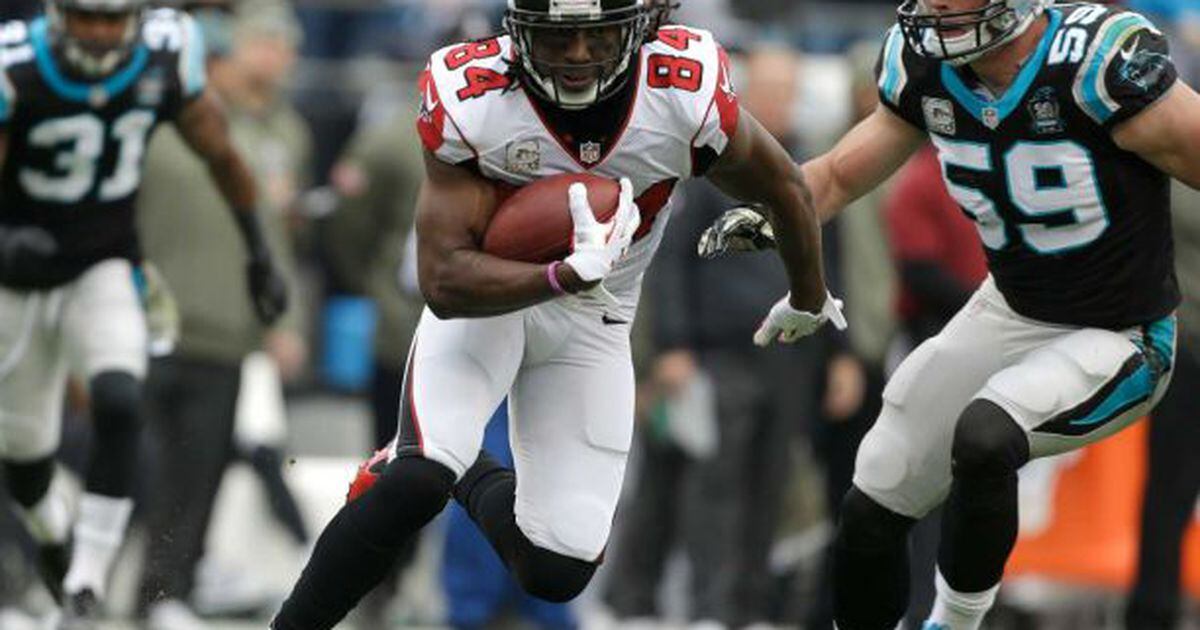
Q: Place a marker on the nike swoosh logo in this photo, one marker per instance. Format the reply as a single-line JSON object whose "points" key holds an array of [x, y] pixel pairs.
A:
{"points": [[1127, 53], [431, 102], [726, 84], [609, 321]]}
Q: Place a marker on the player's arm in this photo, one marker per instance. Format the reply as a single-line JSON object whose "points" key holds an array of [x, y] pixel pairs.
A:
{"points": [[866, 156], [204, 127], [1167, 134], [456, 277], [755, 168]]}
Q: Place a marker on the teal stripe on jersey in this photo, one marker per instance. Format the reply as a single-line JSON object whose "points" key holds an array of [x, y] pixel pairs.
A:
{"points": [[1140, 385], [194, 76], [1136, 388], [1090, 90], [83, 92], [1012, 98], [1162, 340], [6, 97], [892, 77]]}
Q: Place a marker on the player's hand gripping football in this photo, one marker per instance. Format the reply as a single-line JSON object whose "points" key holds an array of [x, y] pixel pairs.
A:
{"points": [[595, 246], [786, 324], [741, 229], [268, 292]]}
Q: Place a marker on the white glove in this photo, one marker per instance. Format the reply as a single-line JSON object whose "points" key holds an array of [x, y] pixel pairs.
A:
{"points": [[595, 246], [787, 324]]}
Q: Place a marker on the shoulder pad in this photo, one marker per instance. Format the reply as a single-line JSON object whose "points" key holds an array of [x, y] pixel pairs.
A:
{"points": [[902, 74], [174, 32], [15, 49], [1121, 61], [689, 71], [458, 89]]}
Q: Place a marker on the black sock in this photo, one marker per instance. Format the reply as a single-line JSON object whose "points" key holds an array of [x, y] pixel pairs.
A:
{"points": [[870, 565], [117, 427], [979, 524], [488, 491], [979, 529], [360, 544], [28, 483]]}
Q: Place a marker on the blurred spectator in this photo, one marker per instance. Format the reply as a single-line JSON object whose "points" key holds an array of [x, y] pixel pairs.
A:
{"points": [[19, 9], [1173, 480], [479, 590], [724, 493], [186, 232], [855, 369], [366, 241], [936, 248], [1181, 20], [941, 263]]}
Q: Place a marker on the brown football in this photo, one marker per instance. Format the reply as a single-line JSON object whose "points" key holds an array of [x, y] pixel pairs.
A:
{"points": [[534, 223]]}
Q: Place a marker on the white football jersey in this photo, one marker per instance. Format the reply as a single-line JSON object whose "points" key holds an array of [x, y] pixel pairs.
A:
{"points": [[683, 112]]}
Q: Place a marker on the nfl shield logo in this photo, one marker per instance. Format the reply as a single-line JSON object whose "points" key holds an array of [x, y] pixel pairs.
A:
{"points": [[991, 117], [589, 152]]}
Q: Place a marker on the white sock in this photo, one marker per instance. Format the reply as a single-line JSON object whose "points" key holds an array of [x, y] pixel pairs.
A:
{"points": [[959, 611], [99, 531], [48, 521]]}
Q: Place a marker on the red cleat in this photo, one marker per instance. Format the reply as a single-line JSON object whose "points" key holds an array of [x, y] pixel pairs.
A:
{"points": [[368, 473]]}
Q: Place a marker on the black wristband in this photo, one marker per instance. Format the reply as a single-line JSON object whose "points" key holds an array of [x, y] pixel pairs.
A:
{"points": [[251, 228]]}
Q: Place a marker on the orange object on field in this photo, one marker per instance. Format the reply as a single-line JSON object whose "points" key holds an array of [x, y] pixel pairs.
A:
{"points": [[1092, 536]]}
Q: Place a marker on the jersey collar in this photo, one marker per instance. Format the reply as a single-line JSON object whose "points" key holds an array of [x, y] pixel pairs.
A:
{"points": [[95, 93], [993, 112]]}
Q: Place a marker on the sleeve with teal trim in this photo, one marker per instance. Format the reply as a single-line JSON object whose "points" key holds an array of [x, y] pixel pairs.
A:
{"points": [[8, 98], [892, 71], [192, 57], [1127, 68]]}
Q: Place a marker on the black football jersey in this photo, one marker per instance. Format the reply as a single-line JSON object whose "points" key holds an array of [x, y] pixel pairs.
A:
{"points": [[1077, 230], [75, 149]]}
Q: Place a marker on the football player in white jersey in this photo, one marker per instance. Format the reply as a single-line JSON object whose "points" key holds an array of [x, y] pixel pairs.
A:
{"points": [[1058, 128], [572, 86]]}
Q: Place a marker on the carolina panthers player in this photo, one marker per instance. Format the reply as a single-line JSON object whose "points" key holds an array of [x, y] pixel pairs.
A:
{"points": [[81, 89], [572, 86], [1057, 127]]}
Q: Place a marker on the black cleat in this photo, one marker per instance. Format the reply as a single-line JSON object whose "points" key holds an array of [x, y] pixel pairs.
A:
{"points": [[52, 563]]}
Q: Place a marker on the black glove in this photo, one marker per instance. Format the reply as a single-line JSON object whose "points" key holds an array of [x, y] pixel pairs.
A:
{"points": [[24, 253], [268, 292], [741, 229]]}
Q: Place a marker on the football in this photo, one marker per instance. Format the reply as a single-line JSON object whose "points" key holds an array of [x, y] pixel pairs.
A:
{"points": [[534, 223]]}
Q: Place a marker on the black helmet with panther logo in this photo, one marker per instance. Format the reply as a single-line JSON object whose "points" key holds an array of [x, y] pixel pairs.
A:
{"points": [[575, 53]]}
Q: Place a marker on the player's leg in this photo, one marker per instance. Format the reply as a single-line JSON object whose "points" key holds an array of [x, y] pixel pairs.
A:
{"points": [[104, 337], [903, 465], [1075, 389], [32, 380], [571, 415], [459, 370]]}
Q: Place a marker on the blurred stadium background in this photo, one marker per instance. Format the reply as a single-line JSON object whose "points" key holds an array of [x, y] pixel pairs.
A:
{"points": [[330, 135]]}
